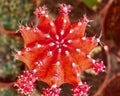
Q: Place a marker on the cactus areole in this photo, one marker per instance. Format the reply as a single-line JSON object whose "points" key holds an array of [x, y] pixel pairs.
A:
{"points": [[57, 52]]}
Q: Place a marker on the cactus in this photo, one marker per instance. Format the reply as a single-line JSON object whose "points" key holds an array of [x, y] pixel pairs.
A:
{"points": [[7, 92], [9, 68], [57, 52], [11, 10]]}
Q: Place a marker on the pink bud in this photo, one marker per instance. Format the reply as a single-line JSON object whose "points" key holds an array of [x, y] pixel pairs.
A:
{"points": [[40, 11], [65, 8], [99, 67], [53, 91], [81, 89], [25, 83]]}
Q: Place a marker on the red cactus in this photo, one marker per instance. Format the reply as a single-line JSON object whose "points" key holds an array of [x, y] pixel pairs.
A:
{"points": [[56, 49]]}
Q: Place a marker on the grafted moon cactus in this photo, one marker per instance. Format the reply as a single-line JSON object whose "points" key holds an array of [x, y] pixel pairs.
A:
{"points": [[57, 52]]}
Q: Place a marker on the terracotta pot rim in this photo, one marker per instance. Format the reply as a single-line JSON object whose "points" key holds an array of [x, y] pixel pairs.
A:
{"points": [[113, 77], [105, 16], [101, 88], [111, 80]]}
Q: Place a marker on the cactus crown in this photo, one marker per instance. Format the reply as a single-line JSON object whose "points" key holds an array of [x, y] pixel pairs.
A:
{"points": [[57, 52]]}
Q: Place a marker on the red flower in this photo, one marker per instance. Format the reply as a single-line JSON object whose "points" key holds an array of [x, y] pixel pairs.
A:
{"points": [[57, 49]]}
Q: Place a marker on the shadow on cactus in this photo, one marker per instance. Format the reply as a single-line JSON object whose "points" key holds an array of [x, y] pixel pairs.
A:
{"points": [[56, 52]]}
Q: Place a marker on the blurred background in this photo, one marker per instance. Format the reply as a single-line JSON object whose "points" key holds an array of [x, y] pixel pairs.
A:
{"points": [[106, 22]]}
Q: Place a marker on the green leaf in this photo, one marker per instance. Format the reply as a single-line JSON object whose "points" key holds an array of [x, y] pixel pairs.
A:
{"points": [[90, 3]]}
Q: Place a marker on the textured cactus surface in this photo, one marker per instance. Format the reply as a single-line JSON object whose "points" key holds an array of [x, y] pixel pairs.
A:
{"points": [[57, 52], [10, 13]]}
